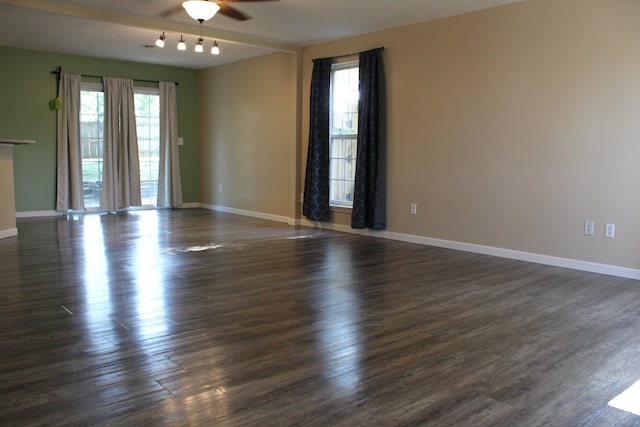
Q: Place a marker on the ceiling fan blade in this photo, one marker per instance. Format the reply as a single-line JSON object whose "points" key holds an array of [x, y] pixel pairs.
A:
{"points": [[172, 11], [243, 1], [231, 12]]}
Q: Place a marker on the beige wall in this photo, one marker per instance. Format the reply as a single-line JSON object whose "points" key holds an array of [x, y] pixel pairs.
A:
{"points": [[7, 199], [249, 135], [511, 126]]}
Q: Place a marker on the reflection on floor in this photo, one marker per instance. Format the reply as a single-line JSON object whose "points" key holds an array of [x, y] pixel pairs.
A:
{"points": [[192, 317]]}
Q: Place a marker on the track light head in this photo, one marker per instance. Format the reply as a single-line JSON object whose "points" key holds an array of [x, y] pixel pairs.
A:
{"points": [[215, 49], [181, 44], [161, 39]]}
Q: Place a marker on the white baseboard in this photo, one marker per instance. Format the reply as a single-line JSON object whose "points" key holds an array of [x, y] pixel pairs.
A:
{"points": [[295, 222], [190, 205], [253, 214], [592, 267], [37, 214], [40, 214], [11, 232]]}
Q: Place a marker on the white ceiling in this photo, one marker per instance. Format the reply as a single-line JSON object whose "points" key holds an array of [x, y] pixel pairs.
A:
{"points": [[120, 29]]}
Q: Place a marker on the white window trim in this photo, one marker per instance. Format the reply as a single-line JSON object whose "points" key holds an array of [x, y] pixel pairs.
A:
{"points": [[92, 87], [145, 90], [99, 87], [141, 90], [335, 205]]}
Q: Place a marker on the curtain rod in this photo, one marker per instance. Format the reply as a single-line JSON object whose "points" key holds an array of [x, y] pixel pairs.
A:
{"points": [[352, 54], [59, 71]]}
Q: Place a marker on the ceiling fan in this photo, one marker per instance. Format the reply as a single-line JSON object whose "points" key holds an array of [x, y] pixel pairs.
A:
{"points": [[203, 10]]}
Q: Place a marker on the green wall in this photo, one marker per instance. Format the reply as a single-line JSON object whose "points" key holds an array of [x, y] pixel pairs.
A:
{"points": [[26, 88]]}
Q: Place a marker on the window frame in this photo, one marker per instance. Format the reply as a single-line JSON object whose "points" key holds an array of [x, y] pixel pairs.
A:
{"points": [[152, 91], [137, 90], [91, 87], [335, 204]]}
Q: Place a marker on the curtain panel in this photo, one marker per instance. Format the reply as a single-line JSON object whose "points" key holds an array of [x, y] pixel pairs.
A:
{"points": [[369, 199], [315, 204], [121, 165], [169, 183], [69, 191]]}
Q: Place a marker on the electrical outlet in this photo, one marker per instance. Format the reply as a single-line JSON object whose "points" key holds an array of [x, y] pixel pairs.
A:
{"points": [[220, 188], [589, 226], [610, 231], [414, 208]]}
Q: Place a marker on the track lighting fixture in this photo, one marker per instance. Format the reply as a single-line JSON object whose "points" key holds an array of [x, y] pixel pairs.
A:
{"points": [[160, 41], [215, 49], [182, 44]]}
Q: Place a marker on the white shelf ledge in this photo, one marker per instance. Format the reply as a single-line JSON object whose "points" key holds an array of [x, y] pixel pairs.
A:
{"points": [[4, 141]]}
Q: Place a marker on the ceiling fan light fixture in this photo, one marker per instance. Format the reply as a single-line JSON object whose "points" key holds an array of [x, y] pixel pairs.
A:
{"points": [[161, 39], [181, 44], [201, 10], [199, 48], [215, 49]]}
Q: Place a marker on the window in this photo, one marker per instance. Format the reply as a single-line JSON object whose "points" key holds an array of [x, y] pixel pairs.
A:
{"points": [[344, 132], [91, 142], [148, 130], [147, 105]]}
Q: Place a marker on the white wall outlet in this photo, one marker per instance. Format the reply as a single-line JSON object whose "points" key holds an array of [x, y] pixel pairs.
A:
{"points": [[610, 231], [180, 141], [414, 208], [220, 188], [589, 226]]}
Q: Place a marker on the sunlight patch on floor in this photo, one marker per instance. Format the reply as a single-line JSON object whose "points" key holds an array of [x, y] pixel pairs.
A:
{"points": [[197, 248], [628, 400]]}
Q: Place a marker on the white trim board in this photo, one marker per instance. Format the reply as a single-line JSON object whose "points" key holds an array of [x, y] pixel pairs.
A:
{"points": [[592, 267], [11, 232], [42, 214], [574, 264], [253, 214], [37, 214], [190, 205]]}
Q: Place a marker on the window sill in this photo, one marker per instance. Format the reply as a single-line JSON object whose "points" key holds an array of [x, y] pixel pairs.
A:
{"points": [[341, 209]]}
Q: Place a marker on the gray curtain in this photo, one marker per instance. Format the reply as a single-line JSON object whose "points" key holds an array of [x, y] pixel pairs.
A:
{"points": [[121, 166], [169, 184], [69, 193], [369, 198], [315, 204]]}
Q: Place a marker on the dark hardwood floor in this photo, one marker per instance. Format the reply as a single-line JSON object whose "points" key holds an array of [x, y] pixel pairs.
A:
{"points": [[193, 317]]}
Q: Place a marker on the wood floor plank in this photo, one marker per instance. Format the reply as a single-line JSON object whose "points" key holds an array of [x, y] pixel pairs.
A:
{"points": [[193, 317]]}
